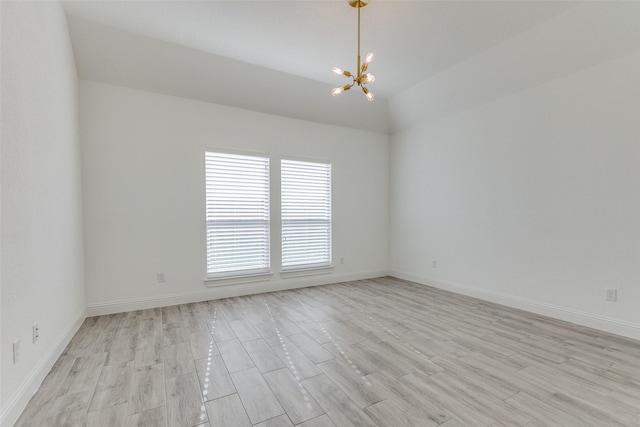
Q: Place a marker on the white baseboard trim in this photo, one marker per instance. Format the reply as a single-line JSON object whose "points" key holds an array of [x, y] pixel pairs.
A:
{"points": [[606, 324], [218, 292], [16, 403]]}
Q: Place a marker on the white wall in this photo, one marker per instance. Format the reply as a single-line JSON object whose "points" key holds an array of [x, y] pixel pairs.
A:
{"points": [[42, 255], [532, 200], [143, 193]]}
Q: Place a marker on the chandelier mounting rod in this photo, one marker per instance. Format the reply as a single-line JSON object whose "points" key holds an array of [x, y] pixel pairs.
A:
{"points": [[358, 66]]}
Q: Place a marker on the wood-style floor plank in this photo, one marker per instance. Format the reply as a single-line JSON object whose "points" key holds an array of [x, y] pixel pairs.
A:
{"points": [[256, 396], [84, 375], [244, 330], [312, 349], [321, 421], [395, 412], [263, 356], [109, 416], [147, 389], [295, 399], [281, 421], [178, 359], [346, 376], [214, 377], [203, 345], [114, 386], [342, 410], [235, 356], [148, 352], [377, 352], [227, 412], [185, 406], [156, 417], [299, 364]]}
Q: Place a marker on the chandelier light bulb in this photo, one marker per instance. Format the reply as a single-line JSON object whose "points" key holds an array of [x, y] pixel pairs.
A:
{"points": [[369, 78], [368, 94], [337, 70], [337, 91], [368, 58]]}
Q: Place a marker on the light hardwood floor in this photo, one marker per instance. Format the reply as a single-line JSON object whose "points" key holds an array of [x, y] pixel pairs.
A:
{"points": [[381, 352]]}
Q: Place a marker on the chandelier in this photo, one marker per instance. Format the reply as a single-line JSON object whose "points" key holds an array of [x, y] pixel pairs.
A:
{"points": [[362, 78]]}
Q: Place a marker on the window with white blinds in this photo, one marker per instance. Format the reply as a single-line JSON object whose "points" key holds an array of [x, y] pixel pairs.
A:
{"points": [[237, 192], [306, 214]]}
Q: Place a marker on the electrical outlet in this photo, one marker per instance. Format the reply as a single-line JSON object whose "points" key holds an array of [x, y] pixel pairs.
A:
{"points": [[16, 352], [36, 333], [160, 277], [434, 263], [612, 295], [341, 260]]}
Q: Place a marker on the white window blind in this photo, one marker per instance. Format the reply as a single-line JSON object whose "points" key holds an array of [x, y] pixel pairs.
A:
{"points": [[237, 192], [306, 214]]}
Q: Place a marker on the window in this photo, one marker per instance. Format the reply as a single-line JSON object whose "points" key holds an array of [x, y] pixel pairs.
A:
{"points": [[306, 214], [237, 193]]}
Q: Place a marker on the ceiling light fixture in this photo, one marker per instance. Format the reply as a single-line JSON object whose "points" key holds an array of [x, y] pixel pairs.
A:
{"points": [[362, 78]]}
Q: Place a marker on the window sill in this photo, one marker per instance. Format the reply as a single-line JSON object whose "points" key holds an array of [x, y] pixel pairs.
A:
{"points": [[302, 272], [236, 280]]}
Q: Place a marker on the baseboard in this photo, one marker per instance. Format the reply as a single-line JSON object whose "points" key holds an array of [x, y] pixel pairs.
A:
{"points": [[218, 292], [16, 404], [606, 324]]}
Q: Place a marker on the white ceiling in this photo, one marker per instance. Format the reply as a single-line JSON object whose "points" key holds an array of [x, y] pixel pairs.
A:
{"points": [[266, 48]]}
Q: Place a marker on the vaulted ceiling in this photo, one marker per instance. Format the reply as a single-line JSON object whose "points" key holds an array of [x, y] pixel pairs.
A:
{"points": [[276, 56]]}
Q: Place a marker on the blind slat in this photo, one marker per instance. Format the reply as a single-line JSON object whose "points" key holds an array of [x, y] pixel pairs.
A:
{"points": [[237, 214], [306, 213]]}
